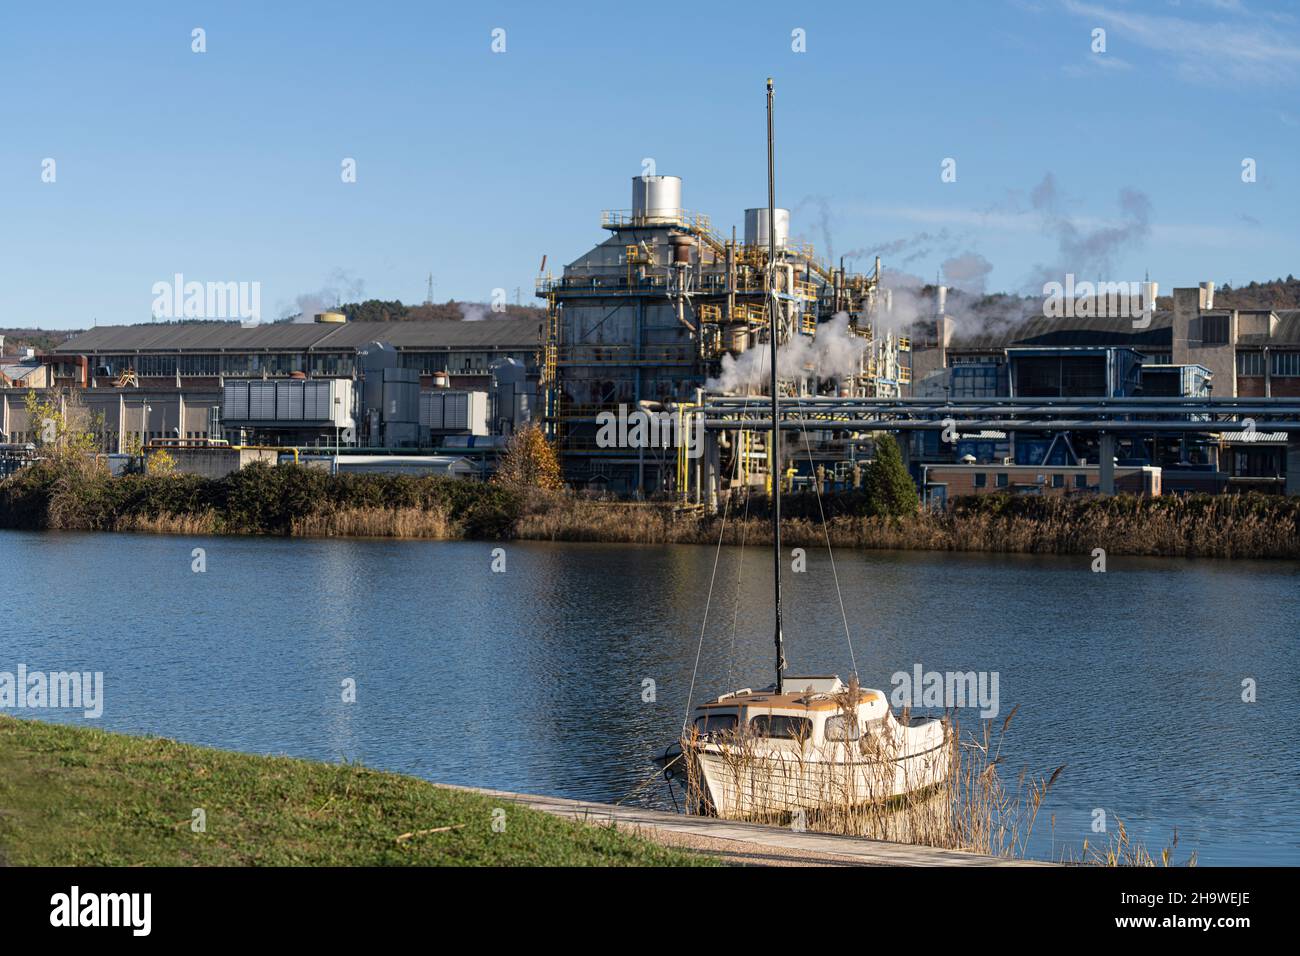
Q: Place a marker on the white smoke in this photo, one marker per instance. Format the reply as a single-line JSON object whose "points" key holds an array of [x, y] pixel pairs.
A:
{"points": [[472, 311], [341, 286], [834, 353]]}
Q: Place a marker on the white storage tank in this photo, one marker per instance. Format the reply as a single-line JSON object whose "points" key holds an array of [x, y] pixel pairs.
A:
{"points": [[656, 198], [756, 227]]}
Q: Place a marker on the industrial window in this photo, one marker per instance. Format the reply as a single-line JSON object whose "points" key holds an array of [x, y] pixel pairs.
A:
{"points": [[1081, 481], [981, 480], [780, 726], [1214, 330], [1250, 363], [1058, 481], [842, 727], [1286, 364], [1003, 479]]}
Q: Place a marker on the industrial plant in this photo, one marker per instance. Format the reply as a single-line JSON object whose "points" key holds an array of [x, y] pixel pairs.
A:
{"points": [[669, 316]]}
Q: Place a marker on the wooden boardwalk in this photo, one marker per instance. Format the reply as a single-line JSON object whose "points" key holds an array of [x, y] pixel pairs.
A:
{"points": [[751, 843]]}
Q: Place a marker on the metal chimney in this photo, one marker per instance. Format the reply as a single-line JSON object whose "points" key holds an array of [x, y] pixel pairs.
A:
{"points": [[1207, 295]]}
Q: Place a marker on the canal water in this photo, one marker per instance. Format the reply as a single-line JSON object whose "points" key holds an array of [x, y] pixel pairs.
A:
{"points": [[565, 672]]}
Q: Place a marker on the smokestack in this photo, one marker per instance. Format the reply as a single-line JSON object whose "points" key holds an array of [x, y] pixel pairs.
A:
{"points": [[1207, 295], [1150, 290], [889, 300], [942, 325]]}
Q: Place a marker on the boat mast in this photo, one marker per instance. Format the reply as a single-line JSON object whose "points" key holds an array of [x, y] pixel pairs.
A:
{"points": [[772, 332]]}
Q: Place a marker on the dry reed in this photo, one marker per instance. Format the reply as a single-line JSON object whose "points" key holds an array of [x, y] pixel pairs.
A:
{"points": [[1172, 532], [377, 523], [203, 522]]}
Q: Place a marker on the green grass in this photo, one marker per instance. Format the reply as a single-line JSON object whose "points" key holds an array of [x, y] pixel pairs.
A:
{"points": [[78, 796]]}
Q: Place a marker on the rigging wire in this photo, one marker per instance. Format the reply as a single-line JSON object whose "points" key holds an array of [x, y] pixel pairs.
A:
{"points": [[705, 623], [848, 637], [726, 508], [744, 529]]}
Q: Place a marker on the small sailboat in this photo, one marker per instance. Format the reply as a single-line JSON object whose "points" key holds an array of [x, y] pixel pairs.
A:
{"points": [[804, 744]]}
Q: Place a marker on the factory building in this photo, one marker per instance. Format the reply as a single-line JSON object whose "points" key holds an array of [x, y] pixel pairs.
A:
{"points": [[1238, 352], [652, 314], [1193, 350], [203, 354], [324, 383]]}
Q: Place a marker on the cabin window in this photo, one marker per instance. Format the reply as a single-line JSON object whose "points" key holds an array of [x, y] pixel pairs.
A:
{"points": [[715, 724], [780, 726], [841, 727]]}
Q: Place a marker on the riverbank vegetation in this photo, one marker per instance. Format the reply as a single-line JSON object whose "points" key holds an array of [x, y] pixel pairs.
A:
{"points": [[62, 494], [74, 796]]}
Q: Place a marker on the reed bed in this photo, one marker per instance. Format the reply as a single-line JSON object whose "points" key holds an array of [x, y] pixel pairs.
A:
{"points": [[377, 522], [1230, 526], [203, 522]]}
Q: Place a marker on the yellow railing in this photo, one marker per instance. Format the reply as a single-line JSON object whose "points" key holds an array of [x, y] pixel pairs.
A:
{"points": [[620, 218]]}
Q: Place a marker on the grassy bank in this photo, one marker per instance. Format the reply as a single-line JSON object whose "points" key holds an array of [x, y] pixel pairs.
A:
{"points": [[299, 501], [72, 795]]}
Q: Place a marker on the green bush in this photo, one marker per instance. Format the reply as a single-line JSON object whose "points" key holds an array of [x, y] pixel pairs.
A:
{"points": [[259, 499]]}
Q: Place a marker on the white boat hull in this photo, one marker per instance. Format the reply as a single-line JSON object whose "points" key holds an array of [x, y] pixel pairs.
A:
{"points": [[743, 782]]}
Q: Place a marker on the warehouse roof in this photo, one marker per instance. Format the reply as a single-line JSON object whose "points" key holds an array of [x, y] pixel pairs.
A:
{"points": [[1041, 330], [1095, 331], [313, 336]]}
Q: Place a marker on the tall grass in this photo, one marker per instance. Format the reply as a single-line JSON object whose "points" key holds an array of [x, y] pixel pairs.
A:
{"points": [[1222, 526], [202, 522], [377, 523]]}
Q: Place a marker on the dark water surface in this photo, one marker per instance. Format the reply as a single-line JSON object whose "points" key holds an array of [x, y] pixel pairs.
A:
{"points": [[533, 679]]}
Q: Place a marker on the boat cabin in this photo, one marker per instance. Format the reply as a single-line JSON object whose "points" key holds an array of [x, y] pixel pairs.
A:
{"points": [[812, 713]]}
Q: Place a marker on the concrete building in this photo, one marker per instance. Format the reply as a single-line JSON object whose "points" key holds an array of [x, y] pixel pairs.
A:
{"points": [[942, 482], [258, 385]]}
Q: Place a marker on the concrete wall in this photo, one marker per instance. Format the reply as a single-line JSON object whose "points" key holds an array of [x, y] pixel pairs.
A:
{"points": [[1188, 340], [122, 411], [218, 462]]}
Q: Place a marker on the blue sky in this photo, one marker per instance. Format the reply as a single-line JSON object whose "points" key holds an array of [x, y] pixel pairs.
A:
{"points": [[225, 165]]}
